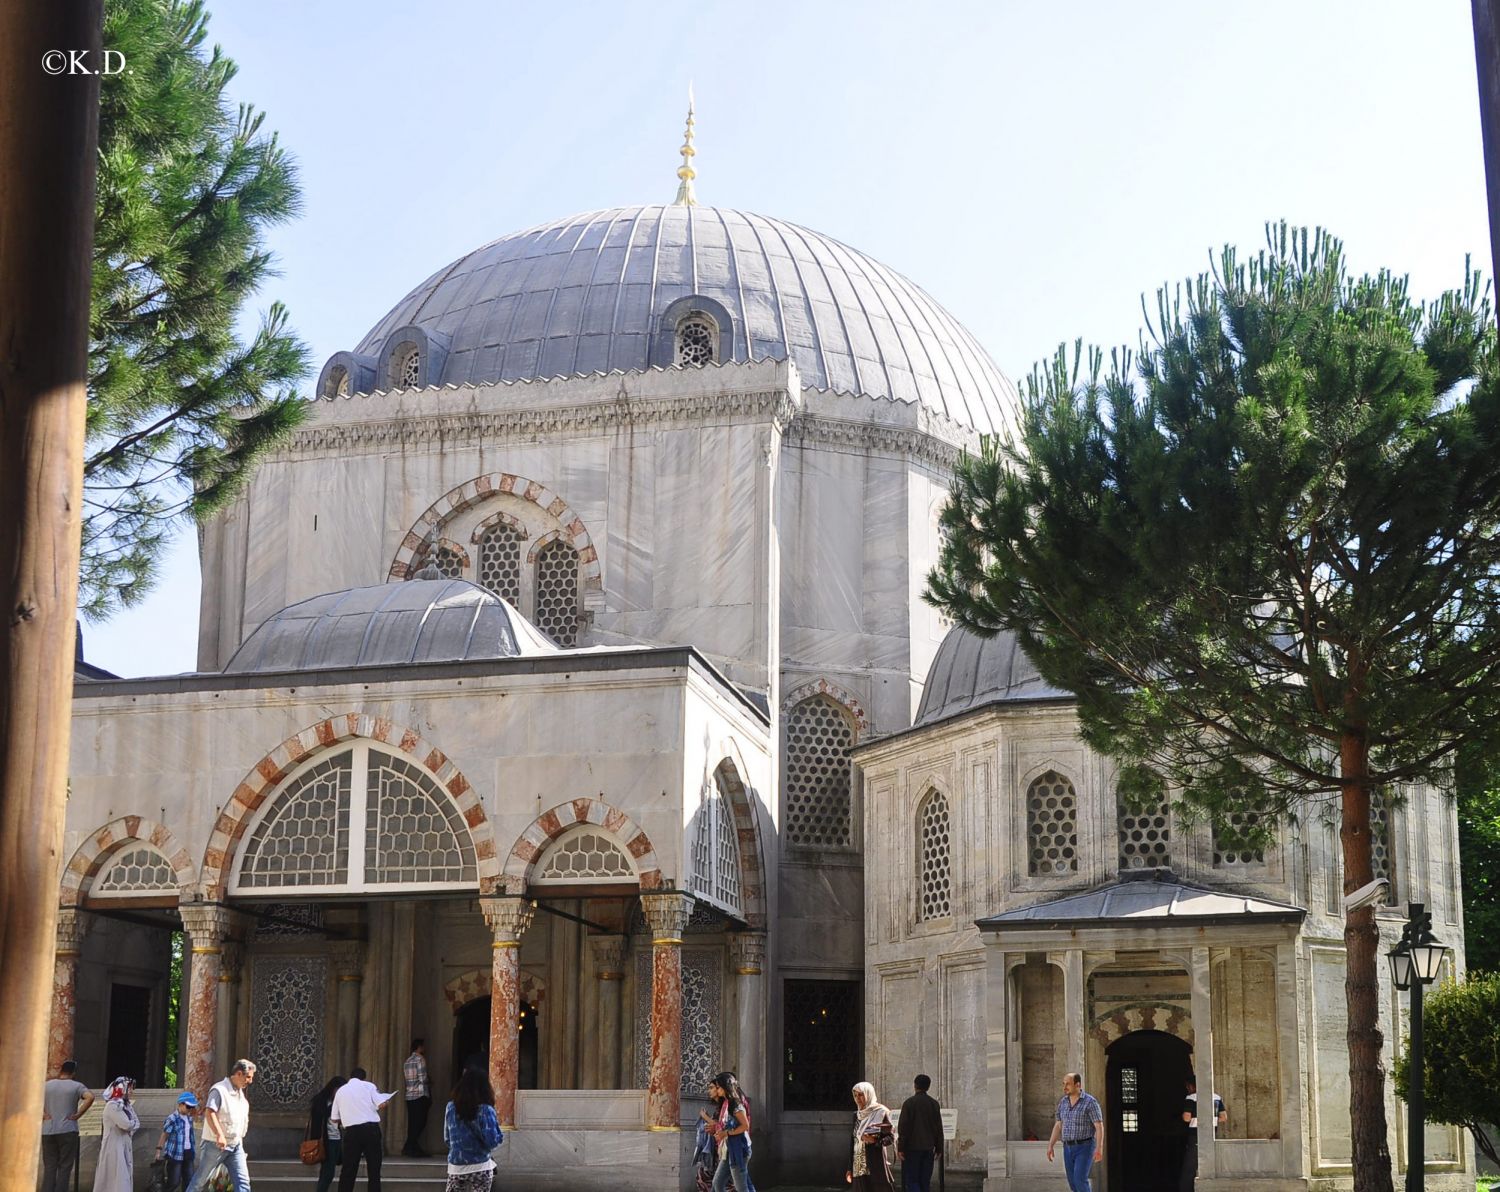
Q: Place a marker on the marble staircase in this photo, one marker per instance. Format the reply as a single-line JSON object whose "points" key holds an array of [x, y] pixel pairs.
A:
{"points": [[397, 1174]]}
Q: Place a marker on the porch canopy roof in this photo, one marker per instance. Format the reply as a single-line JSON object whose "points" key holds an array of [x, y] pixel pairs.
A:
{"points": [[1153, 898]]}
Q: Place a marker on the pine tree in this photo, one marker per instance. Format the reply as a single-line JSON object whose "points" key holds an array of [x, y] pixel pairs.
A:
{"points": [[1262, 553], [180, 405]]}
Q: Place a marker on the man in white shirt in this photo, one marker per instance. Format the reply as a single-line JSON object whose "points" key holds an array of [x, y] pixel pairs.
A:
{"points": [[226, 1118], [356, 1112]]}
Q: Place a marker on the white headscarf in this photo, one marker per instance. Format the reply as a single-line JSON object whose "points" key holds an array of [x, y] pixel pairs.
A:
{"points": [[872, 1110]]}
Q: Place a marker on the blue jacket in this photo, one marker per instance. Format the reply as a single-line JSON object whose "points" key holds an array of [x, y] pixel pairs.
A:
{"points": [[471, 1142]]}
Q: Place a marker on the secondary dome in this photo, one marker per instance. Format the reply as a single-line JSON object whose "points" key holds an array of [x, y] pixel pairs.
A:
{"points": [[606, 290], [409, 621], [971, 672]]}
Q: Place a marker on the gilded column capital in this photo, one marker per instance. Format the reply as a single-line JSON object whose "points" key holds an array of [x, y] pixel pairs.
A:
{"points": [[231, 960], [208, 925], [72, 926], [609, 956], [508, 917], [747, 952], [668, 916]]}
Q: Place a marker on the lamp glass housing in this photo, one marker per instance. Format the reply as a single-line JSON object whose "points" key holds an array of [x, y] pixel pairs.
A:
{"points": [[1401, 965], [1427, 960]]}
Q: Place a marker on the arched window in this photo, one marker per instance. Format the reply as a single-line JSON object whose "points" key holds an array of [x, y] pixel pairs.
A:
{"points": [[500, 562], [1052, 826], [557, 592], [362, 819], [697, 340], [1145, 836], [819, 737], [337, 382], [133, 870], [408, 369], [584, 854], [716, 849], [934, 872]]}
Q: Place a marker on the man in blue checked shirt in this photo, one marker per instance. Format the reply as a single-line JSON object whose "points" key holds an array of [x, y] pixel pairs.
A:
{"points": [[1080, 1125], [176, 1143]]}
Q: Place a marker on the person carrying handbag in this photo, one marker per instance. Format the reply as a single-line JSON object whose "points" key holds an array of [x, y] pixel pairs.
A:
{"points": [[471, 1131], [323, 1145]]}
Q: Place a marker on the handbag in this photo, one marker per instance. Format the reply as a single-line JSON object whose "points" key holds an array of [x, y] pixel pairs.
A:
{"points": [[312, 1151]]}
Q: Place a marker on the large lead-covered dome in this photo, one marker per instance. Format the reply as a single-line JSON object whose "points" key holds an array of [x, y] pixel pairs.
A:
{"points": [[608, 290]]}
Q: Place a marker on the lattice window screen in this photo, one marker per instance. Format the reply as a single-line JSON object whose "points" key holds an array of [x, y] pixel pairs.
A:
{"points": [[557, 592], [304, 841], [414, 833], [933, 858], [1145, 836], [500, 563], [818, 740], [137, 869], [1382, 850], [449, 562], [1236, 842], [1052, 825], [695, 341], [585, 856], [411, 369], [716, 849], [821, 1043]]}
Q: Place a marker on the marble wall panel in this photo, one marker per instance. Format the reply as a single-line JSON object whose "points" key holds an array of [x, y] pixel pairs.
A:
{"points": [[1332, 1145]]}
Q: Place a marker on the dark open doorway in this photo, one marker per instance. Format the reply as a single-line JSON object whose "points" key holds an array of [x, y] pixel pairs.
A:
{"points": [[471, 1039], [1145, 1087], [129, 1028]]}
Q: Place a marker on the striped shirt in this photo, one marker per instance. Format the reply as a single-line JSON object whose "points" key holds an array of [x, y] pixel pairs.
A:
{"points": [[414, 1071], [1078, 1120]]}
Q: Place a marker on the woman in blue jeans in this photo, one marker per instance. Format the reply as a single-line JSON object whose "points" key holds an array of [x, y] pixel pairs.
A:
{"points": [[731, 1132]]}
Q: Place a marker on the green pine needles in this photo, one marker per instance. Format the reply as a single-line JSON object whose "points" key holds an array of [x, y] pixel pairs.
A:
{"points": [[1262, 553], [180, 404]]}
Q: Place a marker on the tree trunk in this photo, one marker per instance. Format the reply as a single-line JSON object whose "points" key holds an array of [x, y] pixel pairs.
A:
{"points": [[1487, 64], [1367, 1126], [49, 111]]}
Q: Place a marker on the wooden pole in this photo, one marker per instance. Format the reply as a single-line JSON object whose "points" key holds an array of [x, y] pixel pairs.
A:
{"points": [[49, 131], [1487, 62]]}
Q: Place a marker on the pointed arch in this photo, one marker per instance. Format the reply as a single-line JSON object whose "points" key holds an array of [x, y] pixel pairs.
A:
{"points": [[268, 774], [483, 488], [840, 695], [934, 856], [101, 845], [747, 832], [552, 823]]}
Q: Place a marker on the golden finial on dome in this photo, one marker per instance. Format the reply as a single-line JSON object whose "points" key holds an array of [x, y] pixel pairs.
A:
{"points": [[685, 195]]}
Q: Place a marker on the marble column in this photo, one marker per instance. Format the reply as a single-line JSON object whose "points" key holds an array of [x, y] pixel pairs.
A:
{"points": [[668, 915], [72, 926], [231, 968], [508, 917], [747, 957], [349, 971], [609, 968], [207, 926], [1201, 1007]]}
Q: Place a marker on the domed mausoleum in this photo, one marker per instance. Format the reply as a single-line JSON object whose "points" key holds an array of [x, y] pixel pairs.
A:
{"points": [[565, 699]]}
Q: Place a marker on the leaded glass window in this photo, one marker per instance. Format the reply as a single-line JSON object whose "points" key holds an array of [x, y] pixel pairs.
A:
{"points": [[584, 854], [695, 341], [137, 869], [716, 849], [1052, 826], [414, 832], [1145, 836], [821, 1050], [557, 592], [934, 876], [500, 562], [819, 738], [410, 832]]}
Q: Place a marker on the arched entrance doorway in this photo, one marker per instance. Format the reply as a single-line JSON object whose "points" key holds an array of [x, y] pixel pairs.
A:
{"points": [[1145, 1085], [471, 1039]]}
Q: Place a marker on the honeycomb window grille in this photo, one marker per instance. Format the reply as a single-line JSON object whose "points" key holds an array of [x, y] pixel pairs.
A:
{"points": [[138, 869], [821, 1046], [695, 341], [583, 855], [819, 737], [449, 560], [933, 858], [1237, 840], [500, 563], [557, 592], [1145, 836], [414, 833], [1052, 826], [409, 371], [1382, 851], [716, 849], [407, 830]]}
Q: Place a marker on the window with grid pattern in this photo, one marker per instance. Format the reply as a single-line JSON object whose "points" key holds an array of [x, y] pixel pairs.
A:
{"points": [[557, 592], [934, 876], [1239, 840], [695, 340], [819, 738], [1145, 836], [1051, 826], [500, 562], [137, 869], [821, 1043], [414, 832], [304, 840]]}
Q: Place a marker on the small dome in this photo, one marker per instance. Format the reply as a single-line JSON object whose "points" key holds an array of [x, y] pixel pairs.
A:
{"points": [[411, 621], [603, 291], [971, 672]]}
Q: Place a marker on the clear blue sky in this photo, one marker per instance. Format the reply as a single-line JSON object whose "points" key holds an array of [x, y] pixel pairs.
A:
{"points": [[1035, 167]]}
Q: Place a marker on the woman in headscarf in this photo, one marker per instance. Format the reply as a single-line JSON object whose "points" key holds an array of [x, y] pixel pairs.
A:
{"points": [[872, 1131], [116, 1170]]}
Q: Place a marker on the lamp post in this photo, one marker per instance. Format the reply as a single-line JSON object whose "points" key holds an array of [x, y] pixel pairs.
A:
{"points": [[1415, 961]]}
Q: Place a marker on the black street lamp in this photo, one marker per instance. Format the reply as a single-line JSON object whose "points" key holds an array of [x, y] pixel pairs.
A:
{"points": [[1415, 962]]}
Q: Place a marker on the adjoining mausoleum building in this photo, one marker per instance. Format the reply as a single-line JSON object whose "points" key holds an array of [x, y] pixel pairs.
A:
{"points": [[530, 673]]}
